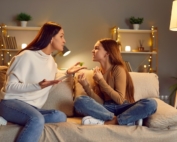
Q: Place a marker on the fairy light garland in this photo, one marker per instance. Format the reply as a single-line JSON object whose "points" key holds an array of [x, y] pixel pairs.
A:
{"points": [[4, 33]]}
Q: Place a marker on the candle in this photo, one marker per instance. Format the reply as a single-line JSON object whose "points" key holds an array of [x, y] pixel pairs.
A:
{"points": [[127, 48]]}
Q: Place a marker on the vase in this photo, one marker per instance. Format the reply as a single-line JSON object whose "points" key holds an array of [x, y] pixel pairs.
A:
{"points": [[141, 48], [136, 26], [23, 23]]}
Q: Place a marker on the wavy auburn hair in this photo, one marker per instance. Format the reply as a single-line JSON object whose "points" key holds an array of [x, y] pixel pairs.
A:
{"points": [[44, 36], [115, 58]]}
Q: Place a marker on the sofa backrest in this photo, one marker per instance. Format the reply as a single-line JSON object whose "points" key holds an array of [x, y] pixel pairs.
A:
{"points": [[61, 95], [146, 85]]}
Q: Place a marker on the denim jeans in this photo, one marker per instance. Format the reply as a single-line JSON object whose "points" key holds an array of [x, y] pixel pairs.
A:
{"points": [[31, 118], [126, 113]]}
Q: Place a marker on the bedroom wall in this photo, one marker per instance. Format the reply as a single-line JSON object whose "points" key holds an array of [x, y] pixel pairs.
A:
{"points": [[86, 21]]}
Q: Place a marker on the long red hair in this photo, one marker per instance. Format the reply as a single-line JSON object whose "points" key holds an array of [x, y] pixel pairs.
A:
{"points": [[115, 58], [44, 36]]}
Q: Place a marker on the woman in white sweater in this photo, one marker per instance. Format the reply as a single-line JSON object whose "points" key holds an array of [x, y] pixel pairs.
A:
{"points": [[29, 79]]}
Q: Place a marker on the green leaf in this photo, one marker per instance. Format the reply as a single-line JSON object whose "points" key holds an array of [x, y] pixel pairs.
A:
{"points": [[174, 86]]}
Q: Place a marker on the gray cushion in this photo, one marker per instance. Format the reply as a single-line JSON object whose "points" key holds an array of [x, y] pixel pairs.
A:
{"points": [[61, 96]]}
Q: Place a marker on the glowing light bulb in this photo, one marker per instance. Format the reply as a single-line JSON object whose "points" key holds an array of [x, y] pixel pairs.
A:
{"points": [[23, 45], [127, 48]]}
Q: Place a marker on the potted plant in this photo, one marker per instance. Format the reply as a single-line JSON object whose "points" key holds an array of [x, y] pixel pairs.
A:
{"points": [[136, 22], [23, 18], [173, 89]]}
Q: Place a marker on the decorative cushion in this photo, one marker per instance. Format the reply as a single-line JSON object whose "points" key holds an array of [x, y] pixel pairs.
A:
{"points": [[78, 89], [3, 70], [164, 117], [61, 96], [146, 85]]}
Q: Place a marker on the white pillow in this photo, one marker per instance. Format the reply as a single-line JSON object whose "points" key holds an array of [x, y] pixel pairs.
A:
{"points": [[164, 117], [146, 85]]}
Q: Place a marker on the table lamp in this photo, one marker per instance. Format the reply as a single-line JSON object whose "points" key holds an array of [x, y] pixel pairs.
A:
{"points": [[65, 52], [173, 22]]}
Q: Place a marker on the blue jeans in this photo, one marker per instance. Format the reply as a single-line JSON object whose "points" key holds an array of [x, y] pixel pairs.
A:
{"points": [[126, 113], [31, 118]]}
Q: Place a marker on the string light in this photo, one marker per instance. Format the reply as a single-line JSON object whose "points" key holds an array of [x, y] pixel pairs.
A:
{"points": [[5, 54], [118, 35]]}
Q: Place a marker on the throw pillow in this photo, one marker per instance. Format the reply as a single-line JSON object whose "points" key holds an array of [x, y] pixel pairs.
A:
{"points": [[164, 117], [3, 70], [61, 95], [78, 89], [146, 85]]}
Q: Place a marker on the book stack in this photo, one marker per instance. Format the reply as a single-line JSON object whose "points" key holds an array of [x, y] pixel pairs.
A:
{"points": [[8, 42], [128, 66]]}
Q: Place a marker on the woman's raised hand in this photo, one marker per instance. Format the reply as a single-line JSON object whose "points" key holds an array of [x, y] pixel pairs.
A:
{"points": [[44, 83], [97, 75], [82, 80], [75, 68]]}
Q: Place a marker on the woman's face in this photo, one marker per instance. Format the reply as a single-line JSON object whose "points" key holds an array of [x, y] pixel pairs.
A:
{"points": [[99, 53], [58, 41]]}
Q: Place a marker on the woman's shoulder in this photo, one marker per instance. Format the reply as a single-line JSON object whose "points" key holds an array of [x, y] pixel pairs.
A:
{"points": [[118, 68], [26, 53]]}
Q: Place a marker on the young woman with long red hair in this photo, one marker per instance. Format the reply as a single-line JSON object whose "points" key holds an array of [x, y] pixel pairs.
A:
{"points": [[114, 102]]}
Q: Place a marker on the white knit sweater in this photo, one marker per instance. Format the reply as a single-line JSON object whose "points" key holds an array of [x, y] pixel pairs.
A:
{"points": [[24, 74]]}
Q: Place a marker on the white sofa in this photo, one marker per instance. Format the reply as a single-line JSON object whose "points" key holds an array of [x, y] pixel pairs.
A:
{"points": [[160, 127]]}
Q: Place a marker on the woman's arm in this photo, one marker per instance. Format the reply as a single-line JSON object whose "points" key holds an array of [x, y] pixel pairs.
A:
{"points": [[93, 94], [88, 89], [118, 90], [13, 85], [20, 69]]}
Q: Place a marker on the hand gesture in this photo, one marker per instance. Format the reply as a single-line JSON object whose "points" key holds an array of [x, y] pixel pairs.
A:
{"points": [[44, 83], [97, 75], [75, 68], [82, 80]]}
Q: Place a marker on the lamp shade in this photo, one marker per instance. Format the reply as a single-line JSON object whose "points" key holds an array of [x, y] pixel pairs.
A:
{"points": [[173, 22], [65, 51]]}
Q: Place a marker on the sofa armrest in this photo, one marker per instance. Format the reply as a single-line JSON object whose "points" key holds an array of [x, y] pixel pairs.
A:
{"points": [[175, 102]]}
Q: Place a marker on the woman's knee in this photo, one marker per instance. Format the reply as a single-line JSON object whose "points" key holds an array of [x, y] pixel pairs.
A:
{"points": [[38, 121], [60, 116], [150, 104], [81, 101]]}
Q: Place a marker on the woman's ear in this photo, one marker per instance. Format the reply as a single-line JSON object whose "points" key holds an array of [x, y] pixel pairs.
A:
{"points": [[107, 54], [51, 41]]}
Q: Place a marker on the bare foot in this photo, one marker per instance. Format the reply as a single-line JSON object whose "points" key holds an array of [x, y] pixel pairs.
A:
{"points": [[112, 122]]}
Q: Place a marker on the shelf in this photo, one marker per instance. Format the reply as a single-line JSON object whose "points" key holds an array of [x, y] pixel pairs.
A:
{"points": [[125, 52], [18, 28], [134, 31], [11, 50]]}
